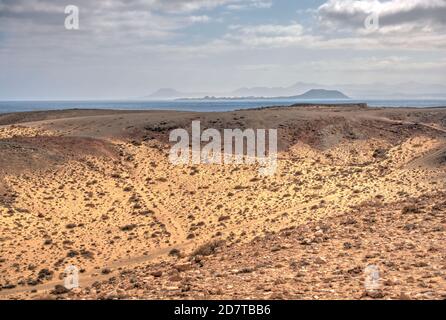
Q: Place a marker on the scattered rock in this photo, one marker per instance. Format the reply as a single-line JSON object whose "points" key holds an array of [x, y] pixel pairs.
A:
{"points": [[59, 290]]}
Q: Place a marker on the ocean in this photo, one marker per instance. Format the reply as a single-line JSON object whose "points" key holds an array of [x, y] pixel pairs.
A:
{"points": [[196, 105]]}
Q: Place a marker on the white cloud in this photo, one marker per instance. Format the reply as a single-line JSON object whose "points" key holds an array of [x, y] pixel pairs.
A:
{"points": [[149, 37], [267, 35], [196, 5], [409, 24], [199, 19], [414, 13], [264, 4], [270, 30]]}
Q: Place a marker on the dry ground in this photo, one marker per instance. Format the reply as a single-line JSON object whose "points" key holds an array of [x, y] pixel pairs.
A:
{"points": [[354, 187]]}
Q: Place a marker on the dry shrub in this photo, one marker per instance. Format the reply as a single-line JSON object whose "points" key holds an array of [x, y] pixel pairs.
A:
{"points": [[208, 248]]}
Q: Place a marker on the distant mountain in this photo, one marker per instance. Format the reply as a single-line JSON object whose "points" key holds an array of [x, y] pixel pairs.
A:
{"points": [[407, 90], [313, 94], [167, 93], [321, 94], [274, 91]]}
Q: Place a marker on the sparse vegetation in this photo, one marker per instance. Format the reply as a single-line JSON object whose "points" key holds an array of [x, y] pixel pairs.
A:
{"points": [[208, 248]]}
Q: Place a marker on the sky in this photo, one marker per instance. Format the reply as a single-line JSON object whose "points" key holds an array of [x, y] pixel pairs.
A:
{"points": [[130, 48]]}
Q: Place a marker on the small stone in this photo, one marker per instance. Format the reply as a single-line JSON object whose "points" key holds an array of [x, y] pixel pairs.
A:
{"points": [[320, 260], [59, 289], [106, 271], [175, 253], [404, 296], [319, 233], [157, 274], [182, 267], [375, 294], [347, 245], [175, 278]]}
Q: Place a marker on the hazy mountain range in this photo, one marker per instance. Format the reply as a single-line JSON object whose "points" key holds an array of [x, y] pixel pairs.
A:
{"points": [[313, 94], [407, 90]]}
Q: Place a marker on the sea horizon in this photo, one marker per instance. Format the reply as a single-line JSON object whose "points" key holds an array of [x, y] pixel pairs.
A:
{"points": [[201, 105]]}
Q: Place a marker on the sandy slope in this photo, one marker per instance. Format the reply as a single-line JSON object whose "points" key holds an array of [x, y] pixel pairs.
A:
{"points": [[95, 189]]}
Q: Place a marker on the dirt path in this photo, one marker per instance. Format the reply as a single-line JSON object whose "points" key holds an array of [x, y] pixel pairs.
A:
{"points": [[176, 230], [89, 278], [427, 125], [177, 238]]}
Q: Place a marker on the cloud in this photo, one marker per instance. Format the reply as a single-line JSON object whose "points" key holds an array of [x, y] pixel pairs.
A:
{"points": [[144, 38], [181, 6], [147, 20], [339, 24], [270, 30], [386, 64], [199, 19], [187, 6], [263, 4], [422, 14], [267, 35]]}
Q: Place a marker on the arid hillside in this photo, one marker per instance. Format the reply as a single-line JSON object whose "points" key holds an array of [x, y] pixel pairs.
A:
{"points": [[355, 187]]}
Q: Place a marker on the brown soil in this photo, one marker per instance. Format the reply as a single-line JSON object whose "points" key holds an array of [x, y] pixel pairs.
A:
{"points": [[355, 187]]}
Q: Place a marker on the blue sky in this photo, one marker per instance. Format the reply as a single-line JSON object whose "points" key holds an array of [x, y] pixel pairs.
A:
{"points": [[128, 49]]}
